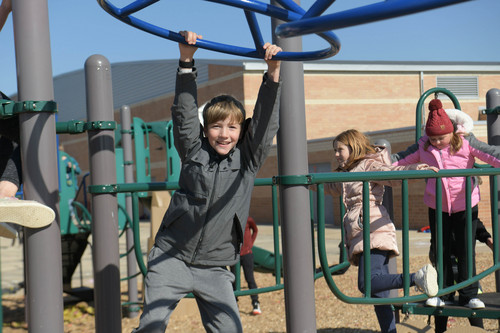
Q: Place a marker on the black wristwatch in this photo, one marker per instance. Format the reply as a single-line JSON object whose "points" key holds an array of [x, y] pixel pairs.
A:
{"points": [[185, 64]]}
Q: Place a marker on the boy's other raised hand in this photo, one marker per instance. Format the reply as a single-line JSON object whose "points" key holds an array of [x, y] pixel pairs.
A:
{"points": [[7, 5], [273, 66], [187, 51], [5, 9]]}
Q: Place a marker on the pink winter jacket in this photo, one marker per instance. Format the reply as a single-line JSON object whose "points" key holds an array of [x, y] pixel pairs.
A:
{"points": [[382, 230], [453, 187]]}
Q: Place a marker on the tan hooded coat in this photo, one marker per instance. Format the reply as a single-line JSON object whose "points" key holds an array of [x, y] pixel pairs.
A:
{"points": [[382, 230]]}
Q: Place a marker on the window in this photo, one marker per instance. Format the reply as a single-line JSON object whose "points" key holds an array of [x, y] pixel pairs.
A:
{"points": [[463, 87]]}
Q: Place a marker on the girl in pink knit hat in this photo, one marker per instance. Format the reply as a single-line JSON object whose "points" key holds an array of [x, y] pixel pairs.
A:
{"points": [[445, 147]]}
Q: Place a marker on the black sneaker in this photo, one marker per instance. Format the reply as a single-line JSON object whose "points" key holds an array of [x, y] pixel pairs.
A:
{"points": [[256, 309]]}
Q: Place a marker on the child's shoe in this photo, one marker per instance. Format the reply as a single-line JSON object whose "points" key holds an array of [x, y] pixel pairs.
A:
{"points": [[435, 302], [256, 308], [426, 280], [27, 213], [475, 303]]}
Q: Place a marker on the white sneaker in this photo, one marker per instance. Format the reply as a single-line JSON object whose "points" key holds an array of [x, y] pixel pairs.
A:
{"points": [[426, 280], [435, 302], [475, 303], [27, 213]]}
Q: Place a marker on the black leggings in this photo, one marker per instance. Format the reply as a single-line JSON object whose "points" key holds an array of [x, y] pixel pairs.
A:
{"points": [[10, 158], [455, 243], [246, 262]]}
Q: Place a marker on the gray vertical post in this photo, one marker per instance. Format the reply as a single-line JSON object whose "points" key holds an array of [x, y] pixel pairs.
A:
{"points": [[39, 157], [493, 125], [295, 212], [104, 206], [133, 309]]}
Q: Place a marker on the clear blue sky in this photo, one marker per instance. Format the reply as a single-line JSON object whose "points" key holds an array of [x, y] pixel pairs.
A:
{"points": [[467, 31]]}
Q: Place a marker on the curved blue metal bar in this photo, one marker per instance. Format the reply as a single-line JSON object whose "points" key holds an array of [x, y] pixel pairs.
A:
{"points": [[357, 16], [250, 7], [136, 6], [254, 29], [318, 8]]}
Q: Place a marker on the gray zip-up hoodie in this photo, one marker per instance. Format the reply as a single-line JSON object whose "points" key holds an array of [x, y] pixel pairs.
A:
{"points": [[205, 220]]}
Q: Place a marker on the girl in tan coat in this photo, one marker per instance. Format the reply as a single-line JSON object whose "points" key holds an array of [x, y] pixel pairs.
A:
{"points": [[354, 153]]}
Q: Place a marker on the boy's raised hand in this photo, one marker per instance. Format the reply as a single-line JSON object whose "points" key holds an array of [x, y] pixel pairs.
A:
{"points": [[187, 51], [5, 9], [273, 66]]}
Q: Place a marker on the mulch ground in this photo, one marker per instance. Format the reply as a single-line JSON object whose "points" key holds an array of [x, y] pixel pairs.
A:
{"points": [[332, 315]]}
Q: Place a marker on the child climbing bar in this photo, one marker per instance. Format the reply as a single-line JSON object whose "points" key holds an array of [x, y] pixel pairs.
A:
{"points": [[355, 153], [445, 146], [202, 230]]}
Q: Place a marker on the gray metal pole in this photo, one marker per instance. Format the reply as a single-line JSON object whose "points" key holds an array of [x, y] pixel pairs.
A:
{"points": [[39, 157], [493, 125], [104, 206], [295, 211], [133, 309]]}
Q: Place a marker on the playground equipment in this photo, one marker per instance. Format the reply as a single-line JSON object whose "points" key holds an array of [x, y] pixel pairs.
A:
{"points": [[291, 12], [299, 22], [75, 223], [141, 132], [35, 83], [265, 261], [312, 23], [301, 316]]}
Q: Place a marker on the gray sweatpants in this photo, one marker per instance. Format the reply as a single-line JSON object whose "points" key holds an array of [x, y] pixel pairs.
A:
{"points": [[169, 279]]}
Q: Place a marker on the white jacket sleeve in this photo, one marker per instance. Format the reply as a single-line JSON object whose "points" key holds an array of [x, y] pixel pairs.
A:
{"points": [[462, 120]]}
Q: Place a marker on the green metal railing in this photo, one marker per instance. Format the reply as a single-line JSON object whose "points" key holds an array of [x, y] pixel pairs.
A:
{"points": [[137, 188], [365, 177]]}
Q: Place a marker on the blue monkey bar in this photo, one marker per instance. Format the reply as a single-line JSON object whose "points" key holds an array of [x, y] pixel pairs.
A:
{"points": [[357, 16], [298, 22], [290, 13]]}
